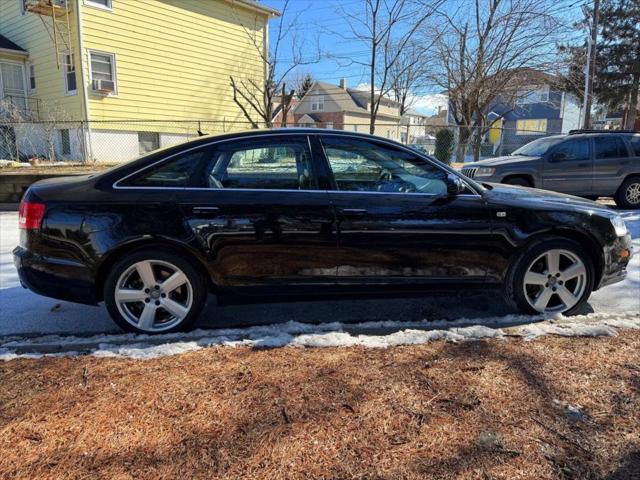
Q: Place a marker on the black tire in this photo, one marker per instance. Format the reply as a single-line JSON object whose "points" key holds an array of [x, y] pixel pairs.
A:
{"points": [[197, 282], [514, 288], [519, 181], [624, 197]]}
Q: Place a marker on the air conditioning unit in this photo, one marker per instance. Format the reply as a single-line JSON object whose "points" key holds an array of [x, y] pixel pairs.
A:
{"points": [[103, 87]]}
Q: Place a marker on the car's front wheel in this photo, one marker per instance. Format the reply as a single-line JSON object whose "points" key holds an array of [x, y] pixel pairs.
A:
{"points": [[554, 275], [154, 292]]}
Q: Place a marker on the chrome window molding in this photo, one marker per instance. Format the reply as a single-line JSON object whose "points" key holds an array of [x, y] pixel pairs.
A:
{"points": [[115, 185]]}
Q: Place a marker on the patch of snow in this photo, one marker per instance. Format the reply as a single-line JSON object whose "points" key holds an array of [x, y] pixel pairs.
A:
{"points": [[294, 334]]}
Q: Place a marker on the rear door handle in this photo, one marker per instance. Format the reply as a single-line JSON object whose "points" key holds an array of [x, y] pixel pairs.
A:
{"points": [[209, 211], [354, 212]]}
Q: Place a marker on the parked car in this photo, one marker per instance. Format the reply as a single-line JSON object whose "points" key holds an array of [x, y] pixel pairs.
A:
{"points": [[592, 165], [298, 213]]}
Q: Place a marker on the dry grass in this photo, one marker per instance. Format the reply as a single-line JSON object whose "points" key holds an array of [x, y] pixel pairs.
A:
{"points": [[478, 410]]}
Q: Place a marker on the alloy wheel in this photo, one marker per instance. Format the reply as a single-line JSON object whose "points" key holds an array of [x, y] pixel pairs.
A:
{"points": [[555, 281], [153, 295], [632, 194]]}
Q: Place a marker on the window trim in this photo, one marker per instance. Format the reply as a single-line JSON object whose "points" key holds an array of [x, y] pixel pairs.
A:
{"points": [[68, 92], [30, 66], [311, 139], [318, 103], [23, 11], [114, 73], [100, 6]]}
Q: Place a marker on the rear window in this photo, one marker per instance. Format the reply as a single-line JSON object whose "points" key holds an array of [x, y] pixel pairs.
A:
{"points": [[610, 147]]}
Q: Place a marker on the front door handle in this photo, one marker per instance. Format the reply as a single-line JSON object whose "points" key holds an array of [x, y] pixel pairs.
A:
{"points": [[354, 212], [208, 211]]}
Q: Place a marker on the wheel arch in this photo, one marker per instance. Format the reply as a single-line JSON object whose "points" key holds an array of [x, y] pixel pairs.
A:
{"points": [[583, 238], [143, 244], [525, 176]]}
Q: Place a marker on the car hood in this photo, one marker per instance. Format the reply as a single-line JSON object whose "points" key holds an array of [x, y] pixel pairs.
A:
{"points": [[495, 162], [512, 195]]}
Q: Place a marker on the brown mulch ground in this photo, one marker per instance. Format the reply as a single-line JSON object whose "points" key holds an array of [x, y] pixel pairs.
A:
{"points": [[480, 410]]}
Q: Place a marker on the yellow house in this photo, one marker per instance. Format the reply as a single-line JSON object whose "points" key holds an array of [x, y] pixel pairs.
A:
{"points": [[140, 74]]}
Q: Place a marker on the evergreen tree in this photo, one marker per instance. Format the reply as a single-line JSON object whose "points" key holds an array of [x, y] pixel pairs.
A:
{"points": [[618, 57], [304, 85]]}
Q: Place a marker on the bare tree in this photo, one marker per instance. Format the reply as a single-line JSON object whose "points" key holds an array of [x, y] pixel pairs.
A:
{"points": [[407, 74], [255, 96], [387, 28], [484, 49]]}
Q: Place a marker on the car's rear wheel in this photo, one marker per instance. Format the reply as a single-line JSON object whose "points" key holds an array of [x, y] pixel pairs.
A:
{"points": [[628, 195], [554, 275], [154, 292]]}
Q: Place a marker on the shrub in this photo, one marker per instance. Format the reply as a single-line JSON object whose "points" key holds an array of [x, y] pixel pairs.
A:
{"points": [[444, 145]]}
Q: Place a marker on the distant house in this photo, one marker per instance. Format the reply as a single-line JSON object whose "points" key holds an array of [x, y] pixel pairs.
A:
{"points": [[336, 106], [416, 128], [534, 105], [139, 71]]}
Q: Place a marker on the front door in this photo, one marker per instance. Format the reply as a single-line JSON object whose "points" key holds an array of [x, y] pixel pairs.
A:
{"points": [[568, 167], [396, 222]]}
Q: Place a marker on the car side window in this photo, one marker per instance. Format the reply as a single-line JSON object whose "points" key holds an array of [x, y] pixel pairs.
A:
{"points": [[363, 166], [181, 171], [635, 145], [577, 149], [610, 147], [280, 163]]}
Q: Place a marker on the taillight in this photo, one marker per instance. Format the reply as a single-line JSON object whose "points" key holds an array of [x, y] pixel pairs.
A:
{"points": [[31, 215]]}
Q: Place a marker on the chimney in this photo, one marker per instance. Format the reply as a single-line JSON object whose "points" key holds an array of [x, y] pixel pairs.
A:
{"points": [[343, 83]]}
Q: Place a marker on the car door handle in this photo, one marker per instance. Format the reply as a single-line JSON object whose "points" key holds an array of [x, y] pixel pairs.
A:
{"points": [[353, 212], [209, 211]]}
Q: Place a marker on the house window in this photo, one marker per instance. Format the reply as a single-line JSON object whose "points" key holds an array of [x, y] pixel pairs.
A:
{"points": [[103, 73], [23, 6], [532, 94], [532, 127], [65, 141], [32, 77], [148, 142], [69, 66], [106, 4], [317, 103]]}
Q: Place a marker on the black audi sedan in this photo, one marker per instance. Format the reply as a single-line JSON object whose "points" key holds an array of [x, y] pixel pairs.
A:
{"points": [[286, 214]]}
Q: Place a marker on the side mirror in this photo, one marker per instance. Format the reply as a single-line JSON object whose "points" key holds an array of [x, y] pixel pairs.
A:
{"points": [[558, 156], [455, 185]]}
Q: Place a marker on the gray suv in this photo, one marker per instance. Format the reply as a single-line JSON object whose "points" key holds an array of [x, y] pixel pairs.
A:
{"points": [[592, 165]]}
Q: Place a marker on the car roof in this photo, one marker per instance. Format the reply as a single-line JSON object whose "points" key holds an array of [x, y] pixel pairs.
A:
{"points": [[285, 130]]}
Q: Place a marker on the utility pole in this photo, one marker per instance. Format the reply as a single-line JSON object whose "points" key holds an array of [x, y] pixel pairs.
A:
{"points": [[591, 66]]}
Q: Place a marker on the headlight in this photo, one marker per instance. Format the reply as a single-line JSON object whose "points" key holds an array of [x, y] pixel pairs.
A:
{"points": [[485, 172], [619, 226]]}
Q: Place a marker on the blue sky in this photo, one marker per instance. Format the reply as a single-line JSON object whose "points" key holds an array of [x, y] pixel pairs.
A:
{"points": [[319, 19]]}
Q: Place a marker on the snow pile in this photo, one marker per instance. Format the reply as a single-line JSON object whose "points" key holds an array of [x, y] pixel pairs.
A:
{"points": [[294, 334]]}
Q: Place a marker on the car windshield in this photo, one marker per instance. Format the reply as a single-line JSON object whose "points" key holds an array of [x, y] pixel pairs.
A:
{"points": [[537, 148]]}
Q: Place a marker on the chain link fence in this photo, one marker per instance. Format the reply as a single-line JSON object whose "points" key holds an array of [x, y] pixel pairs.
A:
{"points": [[120, 141]]}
